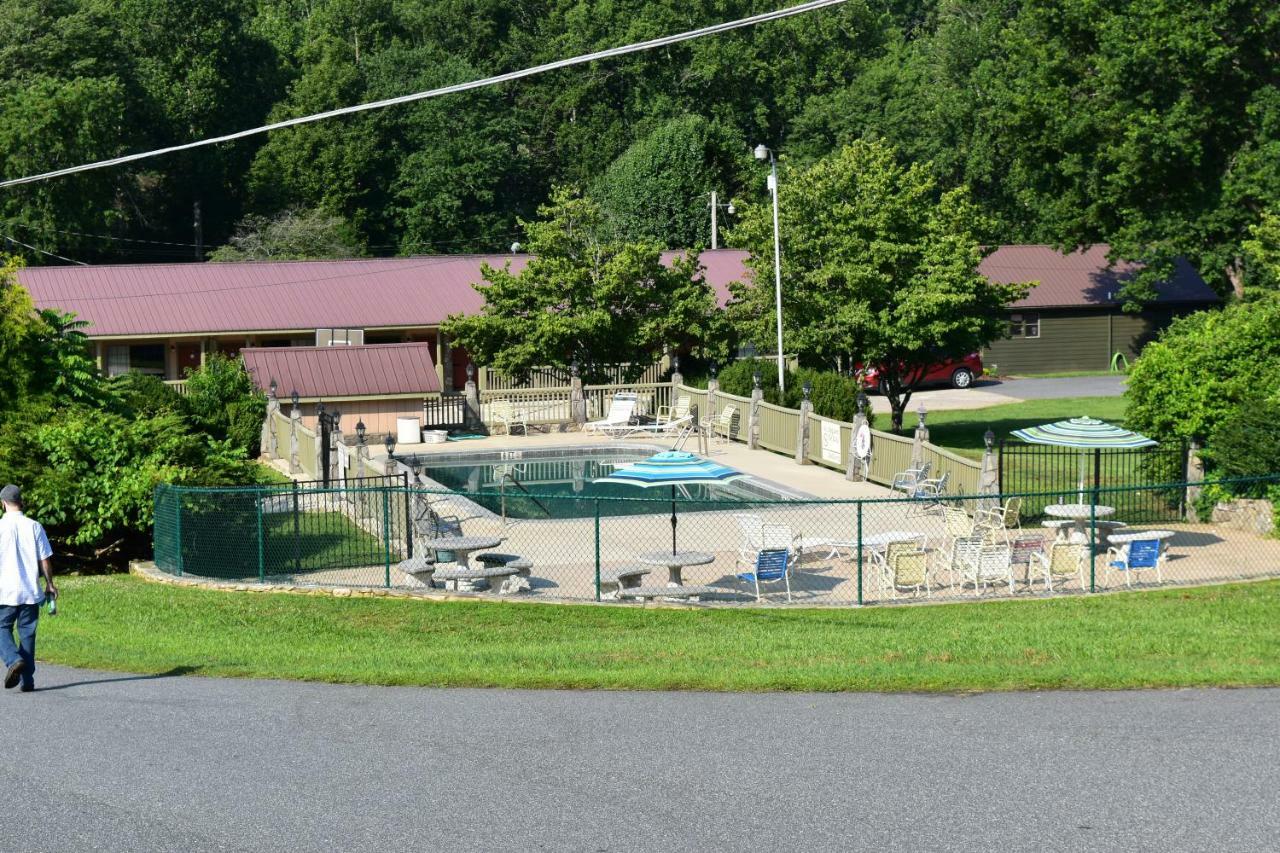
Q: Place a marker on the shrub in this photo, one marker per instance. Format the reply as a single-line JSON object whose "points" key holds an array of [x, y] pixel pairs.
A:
{"points": [[146, 395], [834, 395], [220, 398], [1203, 369], [1246, 443]]}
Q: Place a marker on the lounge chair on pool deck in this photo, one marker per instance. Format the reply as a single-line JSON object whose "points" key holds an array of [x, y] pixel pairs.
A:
{"points": [[622, 409], [677, 412]]}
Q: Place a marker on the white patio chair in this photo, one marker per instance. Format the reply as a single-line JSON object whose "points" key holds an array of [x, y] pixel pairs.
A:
{"points": [[755, 535], [906, 481], [505, 415], [722, 425], [1063, 561], [964, 558], [622, 409], [678, 411], [907, 570], [995, 565], [929, 495]]}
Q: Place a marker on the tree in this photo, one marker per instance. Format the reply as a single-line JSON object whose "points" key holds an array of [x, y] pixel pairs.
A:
{"points": [[877, 268], [64, 370], [223, 402], [16, 333], [1203, 368], [658, 189], [1262, 253], [586, 297], [288, 236]]}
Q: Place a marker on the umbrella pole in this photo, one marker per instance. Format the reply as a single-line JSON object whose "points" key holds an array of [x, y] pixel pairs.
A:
{"points": [[673, 519]]}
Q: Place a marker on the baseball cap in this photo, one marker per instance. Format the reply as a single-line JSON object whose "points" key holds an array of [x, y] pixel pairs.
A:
{"points": [[11, 494]]}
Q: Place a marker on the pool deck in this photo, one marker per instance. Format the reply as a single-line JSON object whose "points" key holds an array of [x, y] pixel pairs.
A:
{"points": [[815, 480]]}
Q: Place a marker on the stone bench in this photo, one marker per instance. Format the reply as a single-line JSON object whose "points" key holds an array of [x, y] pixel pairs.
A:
{"points": [[626, 577], [417, 571], [692, 593], [475, 580], [492, 559]]}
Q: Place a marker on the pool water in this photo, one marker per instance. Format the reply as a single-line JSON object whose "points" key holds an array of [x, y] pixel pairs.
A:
{"points": [[562, 485]]}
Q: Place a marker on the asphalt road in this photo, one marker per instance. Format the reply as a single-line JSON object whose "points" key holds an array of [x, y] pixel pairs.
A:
{"points": [[1050, 389], [109, 762]]}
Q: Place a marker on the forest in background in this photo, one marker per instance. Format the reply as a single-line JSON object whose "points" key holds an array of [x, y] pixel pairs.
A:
{"points": [[1151, 125]]}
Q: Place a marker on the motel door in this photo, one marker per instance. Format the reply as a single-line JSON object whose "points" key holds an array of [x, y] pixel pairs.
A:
{"points": [[460, 359], [188, 357]]}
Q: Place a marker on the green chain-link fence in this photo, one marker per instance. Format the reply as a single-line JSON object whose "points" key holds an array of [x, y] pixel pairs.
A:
{"points": [[836, 552]]}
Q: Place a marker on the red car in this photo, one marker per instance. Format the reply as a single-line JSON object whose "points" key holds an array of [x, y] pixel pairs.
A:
{"points": [[958, 373]]}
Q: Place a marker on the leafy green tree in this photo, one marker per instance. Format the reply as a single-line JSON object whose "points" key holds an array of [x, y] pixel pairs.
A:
{"points": [[223, 402], [1203, 369], [588, 297], [877, 268], [65, 371], [1246, 442], [658, 189], [291, 235], [16, 334], [1262, 253]]}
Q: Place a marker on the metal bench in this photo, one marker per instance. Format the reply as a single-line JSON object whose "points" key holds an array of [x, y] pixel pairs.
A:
{"points": [[693, 593], [626, 577]]}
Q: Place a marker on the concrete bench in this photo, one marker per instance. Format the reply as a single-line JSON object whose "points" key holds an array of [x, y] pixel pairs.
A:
{"points": [[692, 593], [474, 580], [492, 559], [417, 571], [626, 577]]}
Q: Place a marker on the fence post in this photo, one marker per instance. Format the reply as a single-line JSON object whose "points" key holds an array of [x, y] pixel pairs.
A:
{"points": [[597, 549], [178, 527], [988, 477], [268, 443], [577, 403], [1093, 539], [262, 563], [472, 417], [802, 430], [855, 463], [753, 420], [859, 549], [295, 421], [713, 387], [386, 534], [297, 533], [918, 440], [1193, 476], [676, 378], [408, 520]]}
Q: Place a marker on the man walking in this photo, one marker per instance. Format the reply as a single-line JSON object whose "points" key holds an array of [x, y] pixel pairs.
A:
{"points": [[24, 556]]}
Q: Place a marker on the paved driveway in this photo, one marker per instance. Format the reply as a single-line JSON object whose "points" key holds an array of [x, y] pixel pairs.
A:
{"points": [[994, 392], [108, 762]]}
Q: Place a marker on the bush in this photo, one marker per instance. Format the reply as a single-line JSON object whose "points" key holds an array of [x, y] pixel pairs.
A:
{"points": [[1204, 368], [1246, 443], [834, 395], [222, 399], [145, 395]]}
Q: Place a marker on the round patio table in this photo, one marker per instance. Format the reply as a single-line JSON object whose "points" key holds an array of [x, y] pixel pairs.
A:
{"points": [[676, 562], [1079, 514], [462, 546], [1134, 536]]}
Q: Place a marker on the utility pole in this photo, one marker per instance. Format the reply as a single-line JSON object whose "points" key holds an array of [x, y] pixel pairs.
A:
{"points": [[198, 224], [714, 230]]}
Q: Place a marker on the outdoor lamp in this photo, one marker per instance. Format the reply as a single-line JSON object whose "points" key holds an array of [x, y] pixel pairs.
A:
{"points": [[989, 438], [333, 419], [920, 412], [471, 371], [714, 371], [675, 362], [807, 387], [762, 153], [732, 210], [293, 395], [863, 400], [573, 367], [320, 411], [271, 389], [390, 442], [360, 431], [755, 380]]}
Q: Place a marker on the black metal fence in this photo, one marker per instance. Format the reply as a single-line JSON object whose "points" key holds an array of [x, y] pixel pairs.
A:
{"points": [[1063, 474]]}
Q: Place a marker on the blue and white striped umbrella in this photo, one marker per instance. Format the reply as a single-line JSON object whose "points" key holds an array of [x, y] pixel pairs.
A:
{"points": [[1084, 434], [673, 468]]}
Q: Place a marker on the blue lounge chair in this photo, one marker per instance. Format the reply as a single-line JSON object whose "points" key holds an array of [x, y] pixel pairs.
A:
{"points": [[1140, 555], [771, 566]]}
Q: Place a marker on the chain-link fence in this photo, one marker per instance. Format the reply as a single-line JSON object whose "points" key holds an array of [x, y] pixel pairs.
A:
{"points": [[662, 545]]}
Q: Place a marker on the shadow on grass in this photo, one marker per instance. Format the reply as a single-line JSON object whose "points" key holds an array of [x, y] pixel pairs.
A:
{"points": [[176, 672]]}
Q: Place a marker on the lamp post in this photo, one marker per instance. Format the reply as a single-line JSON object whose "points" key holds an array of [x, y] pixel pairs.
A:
{"points": [[715, 206], [761, 152]]}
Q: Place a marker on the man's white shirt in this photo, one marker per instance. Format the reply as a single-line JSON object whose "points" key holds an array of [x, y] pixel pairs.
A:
{"points": [[23, 544]]}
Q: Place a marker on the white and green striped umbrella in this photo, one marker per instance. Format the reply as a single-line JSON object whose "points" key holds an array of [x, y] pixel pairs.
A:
{"points": [[1084, 434]]}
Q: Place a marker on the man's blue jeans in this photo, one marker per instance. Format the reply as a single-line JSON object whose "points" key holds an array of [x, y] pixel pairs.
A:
{"points": [[24, 616]]}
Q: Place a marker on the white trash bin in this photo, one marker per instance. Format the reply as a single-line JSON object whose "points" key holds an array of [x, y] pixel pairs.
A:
{"points": [[408, 431]]}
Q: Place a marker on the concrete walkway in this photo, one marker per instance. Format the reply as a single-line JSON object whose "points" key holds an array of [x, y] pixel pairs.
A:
{"points": [[112, 762]]}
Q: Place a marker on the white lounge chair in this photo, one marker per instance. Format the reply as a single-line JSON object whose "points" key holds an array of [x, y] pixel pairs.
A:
{"points": [[722, 425], [504, 414], [622, 409], [676, 412]]}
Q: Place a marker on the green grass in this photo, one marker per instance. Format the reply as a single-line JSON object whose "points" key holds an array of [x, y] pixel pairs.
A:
{"points": [[270, 476], [962, 430], [225, 545], [1222, 635]]}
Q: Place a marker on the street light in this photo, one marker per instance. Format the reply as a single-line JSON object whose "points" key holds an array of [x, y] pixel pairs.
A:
{"points": [[761, 152]]}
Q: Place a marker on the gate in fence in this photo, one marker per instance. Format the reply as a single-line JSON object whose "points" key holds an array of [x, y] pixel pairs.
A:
{"points": [[1073, 475]]}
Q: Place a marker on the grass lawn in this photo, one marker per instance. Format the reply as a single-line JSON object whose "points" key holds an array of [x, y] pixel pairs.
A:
{"points": [[962, 430], [1223, 635]]}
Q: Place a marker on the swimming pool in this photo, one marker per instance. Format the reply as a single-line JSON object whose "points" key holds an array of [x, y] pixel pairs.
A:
{"points": [[560, 483]]}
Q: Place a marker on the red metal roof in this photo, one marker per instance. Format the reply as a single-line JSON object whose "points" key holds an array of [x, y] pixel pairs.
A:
{"points": [[261, 296], [344, 371], [1083, 278]]}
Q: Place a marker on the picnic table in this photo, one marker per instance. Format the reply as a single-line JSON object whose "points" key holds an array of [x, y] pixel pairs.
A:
{"points": [[462, 546], [676, 562], [1078, 515]]}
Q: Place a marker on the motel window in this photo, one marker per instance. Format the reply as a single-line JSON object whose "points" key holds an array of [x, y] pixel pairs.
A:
{"points": [[339, 337], [1024, 325], [117, 360]]}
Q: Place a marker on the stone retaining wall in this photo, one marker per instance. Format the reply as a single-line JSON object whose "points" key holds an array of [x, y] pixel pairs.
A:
{"points": [[1253, 516]]}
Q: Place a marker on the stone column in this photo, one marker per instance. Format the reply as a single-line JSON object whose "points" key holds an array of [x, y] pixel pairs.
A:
{"points": [[989, 476], [319, 460], [270, 447], [472, 393], [295, 422], [676, 378], [802, 432], [713, 386], [440, 357], [1195, 476], [335, 441], [753, 419], [577, 403], [855, 468], [921, 436]]}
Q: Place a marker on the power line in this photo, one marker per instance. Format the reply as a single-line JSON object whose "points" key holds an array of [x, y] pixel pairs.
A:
{"points": [[42, 251], [636, 47]]}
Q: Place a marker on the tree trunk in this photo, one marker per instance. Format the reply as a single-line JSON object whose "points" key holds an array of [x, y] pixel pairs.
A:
{"points": [[1235, 275], [898, 408]]}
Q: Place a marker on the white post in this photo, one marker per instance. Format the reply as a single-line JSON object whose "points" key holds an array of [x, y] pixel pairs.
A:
{"points": [[777, 272], [714, 244]]}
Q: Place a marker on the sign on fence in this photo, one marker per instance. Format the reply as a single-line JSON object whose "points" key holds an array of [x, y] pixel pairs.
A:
{"points": [[831, 442]]}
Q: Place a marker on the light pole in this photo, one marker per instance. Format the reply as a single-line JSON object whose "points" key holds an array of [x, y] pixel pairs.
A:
{"points": [[761, 152], [715, 208]]}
